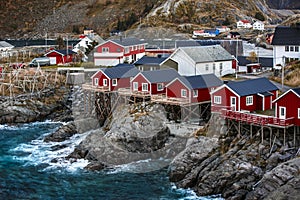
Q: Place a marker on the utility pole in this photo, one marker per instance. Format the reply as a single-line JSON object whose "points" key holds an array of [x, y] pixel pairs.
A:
{"points": [[282, 72]]}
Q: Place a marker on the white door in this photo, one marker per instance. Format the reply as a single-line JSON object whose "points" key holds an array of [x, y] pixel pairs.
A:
{"points": [[282, 112], [233, 103]]}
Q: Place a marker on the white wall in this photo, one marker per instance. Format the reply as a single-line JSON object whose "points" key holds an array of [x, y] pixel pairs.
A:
{"points": [[279, 52]]}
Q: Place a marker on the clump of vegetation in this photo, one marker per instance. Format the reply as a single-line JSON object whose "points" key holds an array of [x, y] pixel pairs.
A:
{"points": [[291, 74]]}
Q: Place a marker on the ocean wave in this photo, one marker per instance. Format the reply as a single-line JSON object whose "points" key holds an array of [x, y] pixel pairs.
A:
{"points": [[191, 195], [51, 155], [28, 125]]}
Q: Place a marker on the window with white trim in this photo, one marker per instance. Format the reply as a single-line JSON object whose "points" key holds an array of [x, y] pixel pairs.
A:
{"points": [[135, 86], [160, 86], [292, 48], [127, 50], [104, 82], [217, 99], [287, 48], [296, 48], [105, 50], [145, 87], [115, 82], [96, 81], [298, 113], [195, 93], [183, 93], [206, 67], [249, 100]]}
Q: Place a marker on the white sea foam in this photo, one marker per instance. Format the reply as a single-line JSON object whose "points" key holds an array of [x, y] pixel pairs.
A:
{"points": [[191, 195], [38, 152]]}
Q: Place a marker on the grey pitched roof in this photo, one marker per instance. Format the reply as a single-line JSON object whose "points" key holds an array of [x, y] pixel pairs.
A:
{"points": [[207, 53], [145, 60], [120, 72], [201, 81], [297, 90], [160, 76], [124, 65], [5, 44], [286, 36], [252, 86], [264, 61], [62, 52], [128, 41]]}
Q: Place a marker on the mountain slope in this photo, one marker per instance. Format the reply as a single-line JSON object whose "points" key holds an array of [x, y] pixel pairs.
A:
{"points": [[35, 18]]}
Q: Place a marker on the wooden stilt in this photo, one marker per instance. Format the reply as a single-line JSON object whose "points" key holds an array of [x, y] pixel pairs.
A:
{"points": [[284, 137], [262, 134], [251, 133], [294, 136]]}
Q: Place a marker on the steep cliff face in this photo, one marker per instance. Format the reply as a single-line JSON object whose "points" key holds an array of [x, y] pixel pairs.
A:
{"points": [[35, 18]]}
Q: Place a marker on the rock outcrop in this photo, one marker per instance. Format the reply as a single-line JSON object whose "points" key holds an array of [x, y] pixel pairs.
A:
{"points": [[135, 133]]}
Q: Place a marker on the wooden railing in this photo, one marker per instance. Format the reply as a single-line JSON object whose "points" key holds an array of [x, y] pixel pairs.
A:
{"points": [[170, 100], [257, 119]]}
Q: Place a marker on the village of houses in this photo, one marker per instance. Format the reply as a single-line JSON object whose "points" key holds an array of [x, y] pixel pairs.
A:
{"points": [[191, 72]]}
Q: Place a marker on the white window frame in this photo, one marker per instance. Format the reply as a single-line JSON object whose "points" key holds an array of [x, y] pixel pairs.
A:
{"points": [[286, 48], [249, 100], [114, 82], [217, 99], [105, 82], [105, 49], [126, 50], [282, 115], [298, 113], [292, 48], [296, 48], [195, 93], [206, 67], [160, 86], [183, 93], [135, 86], [96, 81], [145, 87]]}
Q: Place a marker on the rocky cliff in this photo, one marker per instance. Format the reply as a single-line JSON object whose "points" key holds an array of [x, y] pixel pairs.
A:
{"points": [[35, 19]]}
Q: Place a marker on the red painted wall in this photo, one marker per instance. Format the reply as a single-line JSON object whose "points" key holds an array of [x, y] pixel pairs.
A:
{"points": [[100, 77], [225, 95], [174, 90], [113, 47], [121, 83], [140, 79], [292, 103], [60, 58], [252, 107]]}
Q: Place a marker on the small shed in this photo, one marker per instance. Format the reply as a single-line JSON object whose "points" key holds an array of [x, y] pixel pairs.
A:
{"points": [[61, 56], [288, 105]]}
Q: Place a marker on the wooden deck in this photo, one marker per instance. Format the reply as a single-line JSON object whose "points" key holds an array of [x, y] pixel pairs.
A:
{"points": [[169, 100], [88, 86], [128, 92], [256, 119]]}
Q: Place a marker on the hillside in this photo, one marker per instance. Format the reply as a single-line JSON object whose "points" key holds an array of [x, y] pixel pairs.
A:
{"points": [[35, 18]]}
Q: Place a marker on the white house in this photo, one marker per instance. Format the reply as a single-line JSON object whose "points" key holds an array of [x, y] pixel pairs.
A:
{"points": [[243, 24], [199, 60], [286, 44], [5, 46], [258, 25], [83, 44]]}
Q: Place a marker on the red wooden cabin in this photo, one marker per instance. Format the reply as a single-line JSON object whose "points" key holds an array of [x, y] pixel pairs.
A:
{"points": [[153, 82], [249, 95], [61, 56], [112, 79], [287, 106], [194, 89]]}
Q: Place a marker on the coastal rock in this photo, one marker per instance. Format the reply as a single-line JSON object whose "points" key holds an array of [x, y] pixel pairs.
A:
{"points": [[135, 133], [63, 133], [282, 182]]}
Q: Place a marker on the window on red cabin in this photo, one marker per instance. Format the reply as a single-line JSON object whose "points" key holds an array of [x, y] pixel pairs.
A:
{"points": [[105, 50], [217, 99], [135, 86], [104, 82], [96, 82], [183, 93], [298, 113], [249, 100], [145, 87], [160, 86], [195, 93], [127, 50], [114, 82]]}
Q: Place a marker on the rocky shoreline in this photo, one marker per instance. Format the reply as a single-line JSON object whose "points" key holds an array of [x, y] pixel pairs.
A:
{"points": [[214, 162]]}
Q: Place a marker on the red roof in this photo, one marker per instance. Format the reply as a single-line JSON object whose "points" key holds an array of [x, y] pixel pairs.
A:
{"points": [[245, 21]]}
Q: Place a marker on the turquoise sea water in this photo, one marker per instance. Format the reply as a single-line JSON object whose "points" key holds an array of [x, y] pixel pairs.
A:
{"points": [[26, 171]]}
